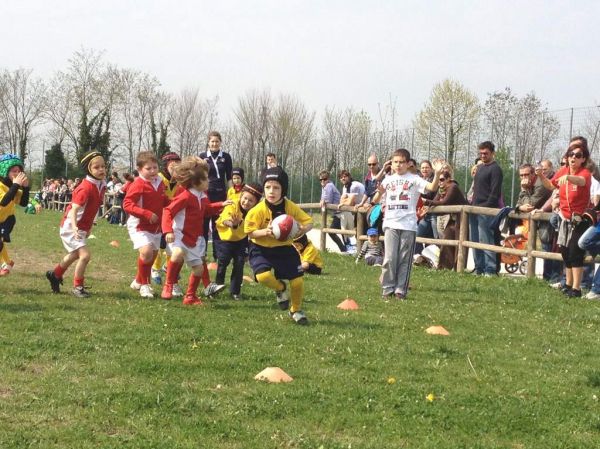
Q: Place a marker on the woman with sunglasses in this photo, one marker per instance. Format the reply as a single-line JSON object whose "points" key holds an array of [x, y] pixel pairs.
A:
{"points": [[448, 194], [574, 182]]}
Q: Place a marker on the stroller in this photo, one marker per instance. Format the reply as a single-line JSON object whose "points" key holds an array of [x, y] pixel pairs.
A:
{"points": [[518, 240]]}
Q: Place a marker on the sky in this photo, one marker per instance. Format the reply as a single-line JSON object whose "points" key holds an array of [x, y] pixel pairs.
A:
{"points": [[327, 53]]}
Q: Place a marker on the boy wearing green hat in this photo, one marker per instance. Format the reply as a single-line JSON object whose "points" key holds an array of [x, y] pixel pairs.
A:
{"points": [[14, 189]]}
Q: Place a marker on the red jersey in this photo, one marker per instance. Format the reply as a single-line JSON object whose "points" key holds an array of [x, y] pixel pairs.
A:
{"points": [[144, 198], [573, 199], [184, 217], [89, 195]]}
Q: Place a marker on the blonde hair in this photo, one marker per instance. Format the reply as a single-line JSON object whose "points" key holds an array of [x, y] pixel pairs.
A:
{"points": [[190, 171]]}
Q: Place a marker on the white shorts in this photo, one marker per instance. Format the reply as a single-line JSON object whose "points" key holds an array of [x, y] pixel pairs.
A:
{"points": [[144, 238], [68, 237], [192, 256]]}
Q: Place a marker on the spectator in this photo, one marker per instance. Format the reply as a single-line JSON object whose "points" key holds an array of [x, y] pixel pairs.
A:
{"points": [[219, 179], [270, 162], [573, 182], [533, 194], [427, 225], [448, 225], [487, 192], [331, 195], [372, 249], [352, 193], [371, 182]]}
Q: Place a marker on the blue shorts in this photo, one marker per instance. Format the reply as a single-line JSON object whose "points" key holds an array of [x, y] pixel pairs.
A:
{"points": [[285, 260]]}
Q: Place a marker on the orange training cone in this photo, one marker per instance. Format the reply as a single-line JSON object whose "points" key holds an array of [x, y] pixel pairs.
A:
{"points": [[273, 374], [348, 304], [115, 243], [437, 330], [212, 266], [248, 279]]}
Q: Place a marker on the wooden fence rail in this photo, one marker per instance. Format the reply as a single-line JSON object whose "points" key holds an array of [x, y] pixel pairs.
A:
{"points": [[463, 243]]}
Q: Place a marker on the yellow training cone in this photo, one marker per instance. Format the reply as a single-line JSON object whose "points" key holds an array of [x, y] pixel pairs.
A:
{"points": [[273, 374], [437, 330]]}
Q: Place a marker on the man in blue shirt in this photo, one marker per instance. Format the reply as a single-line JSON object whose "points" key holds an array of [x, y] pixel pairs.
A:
{"points": [[331, 195]]}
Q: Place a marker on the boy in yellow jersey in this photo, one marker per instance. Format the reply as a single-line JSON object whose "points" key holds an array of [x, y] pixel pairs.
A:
{"points": [[309, 255], [234, 241], [169, 160], [267, 254], [237, 180], [14, 190]]}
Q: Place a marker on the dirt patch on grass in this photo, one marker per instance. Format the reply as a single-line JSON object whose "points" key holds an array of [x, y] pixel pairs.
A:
{"points": [[31, 262], [5, 392]]}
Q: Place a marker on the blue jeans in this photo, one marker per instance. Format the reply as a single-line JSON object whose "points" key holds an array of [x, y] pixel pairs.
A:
{"points": [[426, 228], [479, 227], [552, 268], [590, 241]]}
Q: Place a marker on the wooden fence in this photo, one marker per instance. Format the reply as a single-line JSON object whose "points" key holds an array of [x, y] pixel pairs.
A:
{"points": [[463, 243]]}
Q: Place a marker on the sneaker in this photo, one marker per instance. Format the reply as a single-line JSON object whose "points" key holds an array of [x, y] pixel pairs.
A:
{"points": [[135, 285], [80, 292], [55, 282], [283, 298], [400, 296], [377, 265], [6, 267], [146, 291], [239, 297], [593, 296], [155, 277], [557, 285], [191, 300], [387, 296], [213, 289], [565, 289], [299, 317], [572, 293], [167, 291], [177, 291]]}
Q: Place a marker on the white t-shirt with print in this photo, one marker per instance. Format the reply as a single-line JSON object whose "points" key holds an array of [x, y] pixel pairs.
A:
{"points": [[401, 197]]}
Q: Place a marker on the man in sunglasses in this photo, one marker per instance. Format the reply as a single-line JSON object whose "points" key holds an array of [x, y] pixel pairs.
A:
{"points": [[371, 182], [487, 192]]}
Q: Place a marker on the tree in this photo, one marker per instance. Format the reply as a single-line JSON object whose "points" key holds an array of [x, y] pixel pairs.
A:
{"points": [[451, 113], [521, 126], [55, 162], [192, 118], [252, 130], [22, 100]]}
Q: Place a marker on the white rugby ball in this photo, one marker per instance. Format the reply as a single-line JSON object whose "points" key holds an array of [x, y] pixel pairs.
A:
{"points": [[285, 227]]}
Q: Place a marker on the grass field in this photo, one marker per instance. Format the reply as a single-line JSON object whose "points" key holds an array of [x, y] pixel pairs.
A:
{"points": [[519, 370]]}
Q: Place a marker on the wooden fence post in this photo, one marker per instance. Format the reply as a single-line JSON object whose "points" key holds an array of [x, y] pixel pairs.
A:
{"points": [[323, 225], [360, 229], [531, 240], [463, 252]]}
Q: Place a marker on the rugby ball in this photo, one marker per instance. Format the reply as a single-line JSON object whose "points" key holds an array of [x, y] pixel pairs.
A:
{"points": [[285, 227]]}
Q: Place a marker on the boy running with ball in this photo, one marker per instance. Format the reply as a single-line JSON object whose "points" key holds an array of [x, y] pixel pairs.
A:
{"points": [[272, 260]]}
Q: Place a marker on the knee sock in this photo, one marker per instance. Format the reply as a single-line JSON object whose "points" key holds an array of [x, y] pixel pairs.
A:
{"points": [[77, 282], [205, 275], [59, 271], [267, 279], [144, 272], [193, 283], [296, 293], [4, 253], [157, 265], [173, 269]]}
